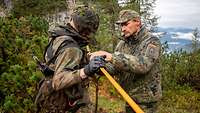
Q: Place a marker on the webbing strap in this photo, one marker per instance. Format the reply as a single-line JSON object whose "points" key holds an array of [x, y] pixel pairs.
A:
{"points": [[63, 45]]}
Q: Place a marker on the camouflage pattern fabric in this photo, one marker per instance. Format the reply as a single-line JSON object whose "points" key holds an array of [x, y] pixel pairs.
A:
{"points": [[137, 59], [68, 87], [126, 15]]}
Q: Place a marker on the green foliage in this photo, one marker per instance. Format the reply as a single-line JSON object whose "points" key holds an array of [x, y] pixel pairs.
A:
{"points": [[195, 39], [38, 24], [22, 36], [104, 35], [19, 38], [107, 34], [112, 106], [180, 80], [37, 7], [1, 4], [181, 99], [133, 5], [181, 68]]}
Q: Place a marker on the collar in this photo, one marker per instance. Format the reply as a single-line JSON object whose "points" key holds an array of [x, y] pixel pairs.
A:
{"points": [[82, 41]]}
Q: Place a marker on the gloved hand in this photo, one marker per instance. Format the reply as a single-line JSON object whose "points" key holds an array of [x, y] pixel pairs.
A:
{"points": [[94, 65]]}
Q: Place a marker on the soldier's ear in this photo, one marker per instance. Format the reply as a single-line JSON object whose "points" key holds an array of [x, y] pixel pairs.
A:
{"points": [[138, 22]]}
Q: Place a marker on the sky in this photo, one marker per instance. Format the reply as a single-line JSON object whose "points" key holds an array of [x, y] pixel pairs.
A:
{"points": [[178, 13]]}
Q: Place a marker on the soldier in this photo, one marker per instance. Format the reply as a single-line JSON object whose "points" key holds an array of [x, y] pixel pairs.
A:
{"points": [[136, 62], [65, 90]]}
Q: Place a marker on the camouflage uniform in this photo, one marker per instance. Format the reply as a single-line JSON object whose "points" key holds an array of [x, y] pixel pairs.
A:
{"points": [[66, 56], [137, 59], [67, 83]]}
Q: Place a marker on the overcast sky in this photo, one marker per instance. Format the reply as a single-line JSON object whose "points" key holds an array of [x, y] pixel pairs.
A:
{"points": [[178, 13]]}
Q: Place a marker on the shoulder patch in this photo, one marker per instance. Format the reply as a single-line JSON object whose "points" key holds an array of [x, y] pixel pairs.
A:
{"points": [[152, 46], [152, 51]]}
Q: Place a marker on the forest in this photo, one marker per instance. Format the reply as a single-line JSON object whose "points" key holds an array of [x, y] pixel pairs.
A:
{"points": [[24, 26]]}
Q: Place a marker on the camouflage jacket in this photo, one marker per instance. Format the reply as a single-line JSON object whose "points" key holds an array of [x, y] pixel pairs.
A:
{"points": [[137, 59], [65, 43]]}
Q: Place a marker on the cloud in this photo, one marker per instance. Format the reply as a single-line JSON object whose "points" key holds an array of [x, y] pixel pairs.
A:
{"points": [[186, 36], [173, 43], [178, 13]]}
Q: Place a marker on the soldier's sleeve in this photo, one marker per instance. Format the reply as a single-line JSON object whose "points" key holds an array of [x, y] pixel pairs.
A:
{"points": [[64, 75], [138, 64], [109, 66]]}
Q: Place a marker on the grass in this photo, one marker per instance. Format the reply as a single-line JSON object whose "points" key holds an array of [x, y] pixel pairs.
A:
{"points": [[179, 99], [109, 101], [108, 105]]}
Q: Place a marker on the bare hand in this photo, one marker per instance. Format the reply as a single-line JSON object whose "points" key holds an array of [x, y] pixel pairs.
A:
{"points": [[101, 53]]}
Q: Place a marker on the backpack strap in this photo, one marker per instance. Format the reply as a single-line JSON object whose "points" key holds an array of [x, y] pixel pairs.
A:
{"points": [[69, 42]]}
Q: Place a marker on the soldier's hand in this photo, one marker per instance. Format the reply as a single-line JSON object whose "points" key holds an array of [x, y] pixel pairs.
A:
{"points": [[94, 65], [108, 56]]}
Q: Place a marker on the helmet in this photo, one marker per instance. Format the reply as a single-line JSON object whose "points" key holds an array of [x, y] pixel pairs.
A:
{"points": [[85, 20]]}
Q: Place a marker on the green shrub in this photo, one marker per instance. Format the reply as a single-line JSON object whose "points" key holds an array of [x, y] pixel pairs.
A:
{"points": [[37, 7], [181, 68], [19, 38]]}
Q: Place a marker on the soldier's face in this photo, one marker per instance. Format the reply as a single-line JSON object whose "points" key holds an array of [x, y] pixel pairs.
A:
{"points": [[130, 27]]}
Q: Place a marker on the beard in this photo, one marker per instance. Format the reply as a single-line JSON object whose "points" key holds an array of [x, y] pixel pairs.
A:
{"points": [[126, 35]]}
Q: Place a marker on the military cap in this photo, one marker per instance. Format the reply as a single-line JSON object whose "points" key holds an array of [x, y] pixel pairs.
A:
{"points": [[126, 15]]}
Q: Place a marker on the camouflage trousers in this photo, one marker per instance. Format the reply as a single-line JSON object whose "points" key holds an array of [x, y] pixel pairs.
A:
{"points": [[58, 102], [146, 107]]}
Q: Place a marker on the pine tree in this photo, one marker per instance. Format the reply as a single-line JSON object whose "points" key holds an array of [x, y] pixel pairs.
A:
{"points": [[149, 18], [195, 39]]}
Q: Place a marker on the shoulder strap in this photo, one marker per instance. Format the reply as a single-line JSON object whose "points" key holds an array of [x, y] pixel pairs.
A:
{"points": [[51, 42], [65, 44]]}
